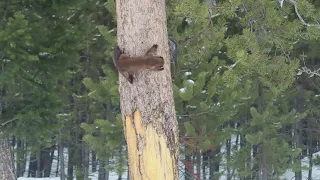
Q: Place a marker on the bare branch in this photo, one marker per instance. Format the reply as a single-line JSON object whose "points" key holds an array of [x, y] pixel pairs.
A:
{"points": [[295, 5], [309, 72]]}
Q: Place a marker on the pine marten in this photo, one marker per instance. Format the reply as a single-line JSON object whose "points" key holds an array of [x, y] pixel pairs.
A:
{"points": [[128, 65]]}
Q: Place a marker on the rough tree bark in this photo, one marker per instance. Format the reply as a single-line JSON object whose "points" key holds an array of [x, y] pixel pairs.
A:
{"points": [[6, 164], [147, 105]]}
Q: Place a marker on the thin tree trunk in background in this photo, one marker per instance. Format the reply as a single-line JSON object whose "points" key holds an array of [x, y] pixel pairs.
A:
{"points": [[198, 165], [71, 143], [310, 147], [263, 168], [61, 159], [24, 160], [38, 159], [228, 149], [85, 161], [298, 130], [205, 159], [188, 171], [32, 165], [46, 155], [70, 162], [214, 163], [52, 149], [20, 158], [247, 165], [147, 105], [86, 151], [103, 173], [58, 162], [94, 161]]}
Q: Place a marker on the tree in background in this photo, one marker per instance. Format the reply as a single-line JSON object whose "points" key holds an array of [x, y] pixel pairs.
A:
{"points": [[245, 50]]}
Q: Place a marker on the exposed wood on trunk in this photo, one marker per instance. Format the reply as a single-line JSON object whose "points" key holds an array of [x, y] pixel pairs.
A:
{"points": [[149, 157]]}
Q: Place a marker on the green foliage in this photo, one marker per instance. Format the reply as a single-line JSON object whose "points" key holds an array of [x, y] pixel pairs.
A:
{"points": [[239, 53], [236, 77]]}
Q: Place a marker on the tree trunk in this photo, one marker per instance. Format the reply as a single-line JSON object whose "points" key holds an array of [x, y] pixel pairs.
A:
{"points": [[46, 160], [6, 166], [310, 147], [21, 159], [103, 172], [94, 161], [147, 105], [71, 153], [38, 156], [197, 176], [297, 130], [214, 163], [228, 149], [188, 167], [61, 159]]}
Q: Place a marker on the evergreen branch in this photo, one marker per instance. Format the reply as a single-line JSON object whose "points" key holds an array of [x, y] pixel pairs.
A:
{"points": [[294, 3], [189, 115], [7, 122]]}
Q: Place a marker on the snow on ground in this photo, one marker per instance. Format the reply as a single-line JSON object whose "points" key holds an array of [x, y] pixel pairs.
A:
{"points": [[93, 176], [289, 175], [305, 163], [50, 178]]}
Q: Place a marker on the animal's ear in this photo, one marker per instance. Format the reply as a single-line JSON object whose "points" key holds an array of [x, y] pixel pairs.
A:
{"points": [[116, 53], [160, 68], [152, 51], [128, 76]]}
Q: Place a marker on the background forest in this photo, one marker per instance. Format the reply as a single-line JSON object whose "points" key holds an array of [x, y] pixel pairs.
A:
{"points": [[246, 77]]}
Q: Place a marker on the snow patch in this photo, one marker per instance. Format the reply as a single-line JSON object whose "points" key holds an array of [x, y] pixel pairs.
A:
{"points": [[191, 82], [187, 73], [182, 90]]}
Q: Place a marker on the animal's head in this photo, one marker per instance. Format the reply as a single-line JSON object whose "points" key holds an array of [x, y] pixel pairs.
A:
{"points": [[156, 63]]}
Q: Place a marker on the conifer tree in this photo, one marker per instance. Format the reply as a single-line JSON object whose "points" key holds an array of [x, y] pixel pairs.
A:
{"points": [[147, 105]]}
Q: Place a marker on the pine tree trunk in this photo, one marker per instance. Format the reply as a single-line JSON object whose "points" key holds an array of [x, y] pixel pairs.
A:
{"points": [[71, 153], [197, 176], [86, 151], [228, 149], [85, 161], [188, 171], [61, 159], [147, 105], [32, 165], [103, 173], [297, 130], [310, 147], [20, 158], [46, 160], [214, 163], [205, 159], [38, 172], [263, 170], [94, 161], [6, 165]]}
